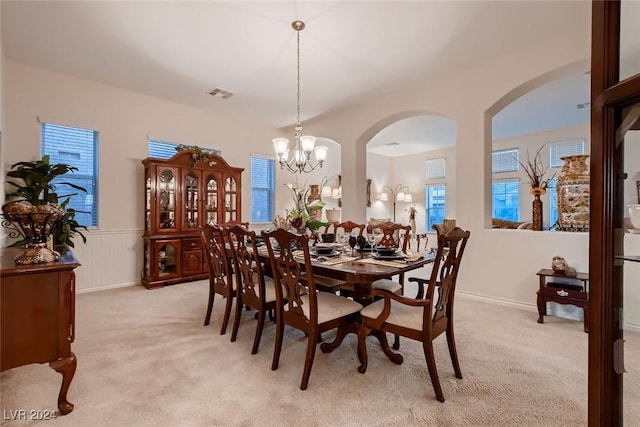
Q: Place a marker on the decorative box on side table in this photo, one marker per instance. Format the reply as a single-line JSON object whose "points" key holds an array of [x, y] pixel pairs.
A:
{"points": [[576, 293]]}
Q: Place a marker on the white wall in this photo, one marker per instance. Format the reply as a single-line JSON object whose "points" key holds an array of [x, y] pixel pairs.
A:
{"points": [[498, 263], [124, 119]]}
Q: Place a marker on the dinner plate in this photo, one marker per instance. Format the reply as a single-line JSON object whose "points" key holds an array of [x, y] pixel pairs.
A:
{"points": [[389, 257], [332, 254]]}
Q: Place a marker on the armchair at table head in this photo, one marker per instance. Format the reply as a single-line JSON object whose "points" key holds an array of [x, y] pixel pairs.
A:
{"points": [[303, 307], [420, 319]]}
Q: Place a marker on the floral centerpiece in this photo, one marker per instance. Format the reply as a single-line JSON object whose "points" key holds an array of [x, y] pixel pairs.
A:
{"points": [[298, 216]]}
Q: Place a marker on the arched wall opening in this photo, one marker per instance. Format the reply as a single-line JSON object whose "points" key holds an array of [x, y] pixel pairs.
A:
{"points": [[512, 128], [415, 136]]}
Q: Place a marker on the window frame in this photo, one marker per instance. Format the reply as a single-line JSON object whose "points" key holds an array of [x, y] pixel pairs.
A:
{"points": [[270, 188], [428, 208], [52, 149], [515, 181]]}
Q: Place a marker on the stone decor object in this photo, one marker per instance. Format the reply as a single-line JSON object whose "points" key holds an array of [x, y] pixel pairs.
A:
{"points": [[559, 264], [573, 194]]}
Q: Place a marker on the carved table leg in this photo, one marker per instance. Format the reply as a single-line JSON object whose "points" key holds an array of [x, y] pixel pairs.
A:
{"points": [[67, 367]]}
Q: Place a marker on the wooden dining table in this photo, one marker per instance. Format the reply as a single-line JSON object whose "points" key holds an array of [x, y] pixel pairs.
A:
{"points": [[361, 272]]}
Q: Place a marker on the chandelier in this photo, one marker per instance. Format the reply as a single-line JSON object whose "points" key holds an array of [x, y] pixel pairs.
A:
{"points": [[298, 159]]}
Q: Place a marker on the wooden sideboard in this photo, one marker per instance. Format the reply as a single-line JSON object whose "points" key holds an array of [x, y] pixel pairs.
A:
{"points": [[37, 305]]}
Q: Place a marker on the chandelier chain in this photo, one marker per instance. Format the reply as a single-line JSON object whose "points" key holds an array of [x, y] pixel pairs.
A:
{"points": [[298, 77]]}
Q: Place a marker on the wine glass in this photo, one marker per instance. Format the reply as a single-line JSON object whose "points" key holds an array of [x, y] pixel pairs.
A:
{"points": [[362, 242], [371, 238], [342, 239], [352, 243]]}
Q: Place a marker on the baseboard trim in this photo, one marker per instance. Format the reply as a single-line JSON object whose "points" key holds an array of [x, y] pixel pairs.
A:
{"points": [[500, 301], [632, 326], [106, 287]]}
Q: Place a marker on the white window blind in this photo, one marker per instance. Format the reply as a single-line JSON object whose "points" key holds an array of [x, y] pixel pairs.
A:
{"points": [[434, 168], [560, 149], [78, 148], [262, 189], [505, 160]]}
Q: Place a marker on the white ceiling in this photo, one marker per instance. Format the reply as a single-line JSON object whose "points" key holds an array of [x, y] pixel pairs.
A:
{"points": [[350, 51]]}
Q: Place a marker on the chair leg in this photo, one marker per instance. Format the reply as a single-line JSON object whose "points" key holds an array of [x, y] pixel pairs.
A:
{"points": [[362, 348], [207, 317], [259, 328], [427, 347], [278, 344], [384, 344], [308, 363], [236, 318], [396, 342], [227, 315], [453, 352]]}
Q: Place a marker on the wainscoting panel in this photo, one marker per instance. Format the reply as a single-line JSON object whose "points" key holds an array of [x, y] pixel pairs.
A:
{"points": [[110, 259]]}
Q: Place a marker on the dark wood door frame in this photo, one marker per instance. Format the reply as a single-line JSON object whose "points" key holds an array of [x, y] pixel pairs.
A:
{"points": [[608, 98]]}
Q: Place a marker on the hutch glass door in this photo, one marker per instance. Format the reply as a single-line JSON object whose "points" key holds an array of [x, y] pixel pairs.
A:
{"points": [[211, 202], [230, 199], [167, 195], [190, 201]]}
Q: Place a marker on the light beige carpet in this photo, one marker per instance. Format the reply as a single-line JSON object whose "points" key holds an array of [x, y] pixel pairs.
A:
{"points": [[145, 359]]}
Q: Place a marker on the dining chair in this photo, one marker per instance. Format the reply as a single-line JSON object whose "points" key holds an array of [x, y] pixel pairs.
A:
{"points": [[253, 288], [220, 277], [300, 306], [329, 284], [348, 227], [419, 319]]}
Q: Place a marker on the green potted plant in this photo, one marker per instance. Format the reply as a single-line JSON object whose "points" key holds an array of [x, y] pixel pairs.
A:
{"points": [[36, 211]]}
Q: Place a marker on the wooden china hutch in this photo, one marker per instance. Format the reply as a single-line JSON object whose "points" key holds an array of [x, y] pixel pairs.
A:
{"points": [[182, 194]]}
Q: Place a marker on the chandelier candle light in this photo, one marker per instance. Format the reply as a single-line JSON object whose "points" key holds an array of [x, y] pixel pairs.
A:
{"points": [[299, 159]]}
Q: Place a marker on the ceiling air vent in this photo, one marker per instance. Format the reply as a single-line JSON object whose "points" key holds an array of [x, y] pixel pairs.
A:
{"points": [[221, 93], [392, 144]]}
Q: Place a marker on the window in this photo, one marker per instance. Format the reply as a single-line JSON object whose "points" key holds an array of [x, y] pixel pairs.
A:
{"points": [[263, 180], [166, 150], [557, 150], [553, 203], [506, 199], [75, 147], [161, 149], [505, 160], [436, 201]]}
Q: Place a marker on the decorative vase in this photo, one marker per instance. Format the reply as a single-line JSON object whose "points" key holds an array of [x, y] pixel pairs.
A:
{"points": [[34, 224], [315, 213], [573, 194], [536, 212]]}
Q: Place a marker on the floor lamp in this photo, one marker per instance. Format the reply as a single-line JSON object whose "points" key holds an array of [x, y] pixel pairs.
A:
{"points": [[397, 195]]}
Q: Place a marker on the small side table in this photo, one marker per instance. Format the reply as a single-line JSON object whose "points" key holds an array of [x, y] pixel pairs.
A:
{"points": [[563, 293]]}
